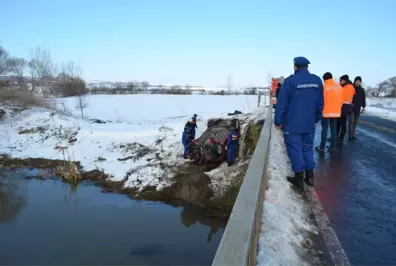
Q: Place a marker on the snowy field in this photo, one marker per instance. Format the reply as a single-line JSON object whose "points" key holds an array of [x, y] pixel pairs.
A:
{"points": [[285, 217], [141, 131], [382, 107]]}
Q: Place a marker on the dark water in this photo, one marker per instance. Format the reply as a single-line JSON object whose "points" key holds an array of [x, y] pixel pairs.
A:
{"points": [[47, 222], [357, 187]]}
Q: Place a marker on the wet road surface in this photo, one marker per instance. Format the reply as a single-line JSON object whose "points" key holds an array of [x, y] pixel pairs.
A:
{"points": [[357, 188]]}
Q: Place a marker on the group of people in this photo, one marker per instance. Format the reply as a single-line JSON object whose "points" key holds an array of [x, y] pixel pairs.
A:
{"points": [[303, 101], [343, 104], [188, 136]]}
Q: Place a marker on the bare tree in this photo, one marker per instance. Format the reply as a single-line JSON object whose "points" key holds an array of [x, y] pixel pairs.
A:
{"points": [[4, 62], [33, 70], [81, 104], [18, 67], [69, 82], [71, 69], [145, 85], [384, 87], [393, 84], [42, 71]]}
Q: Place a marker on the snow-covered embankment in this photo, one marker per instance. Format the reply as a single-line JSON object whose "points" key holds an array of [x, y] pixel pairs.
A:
{"points": [[286, 227]]}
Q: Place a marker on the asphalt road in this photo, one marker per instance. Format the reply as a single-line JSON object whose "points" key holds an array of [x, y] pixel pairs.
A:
{"points": [[357, 188]]}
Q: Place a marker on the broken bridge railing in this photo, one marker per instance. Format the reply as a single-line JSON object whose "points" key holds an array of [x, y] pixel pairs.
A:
{"points": [[239, 243]]}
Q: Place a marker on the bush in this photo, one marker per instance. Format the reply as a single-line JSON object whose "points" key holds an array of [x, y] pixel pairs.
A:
{"points": [[22, 97]]}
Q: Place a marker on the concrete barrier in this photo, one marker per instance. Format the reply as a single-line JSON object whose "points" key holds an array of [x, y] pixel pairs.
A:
{"points": [[239, 243]]}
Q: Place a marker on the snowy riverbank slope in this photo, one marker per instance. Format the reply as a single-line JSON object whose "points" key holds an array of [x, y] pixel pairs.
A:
{"points": [[141, 133]]}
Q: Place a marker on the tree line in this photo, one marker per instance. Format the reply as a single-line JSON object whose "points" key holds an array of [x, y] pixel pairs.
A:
{"points": [[40, 75], [386, 88]]}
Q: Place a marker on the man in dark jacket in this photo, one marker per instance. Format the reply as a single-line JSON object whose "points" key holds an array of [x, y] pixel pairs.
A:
{"points": [[232, 145], [278, 90], [192, 124], [359, 102], [299, 108], [187, 138]]}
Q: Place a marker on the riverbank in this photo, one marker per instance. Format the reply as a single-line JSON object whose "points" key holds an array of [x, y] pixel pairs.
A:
{"points": [[138, 157]]}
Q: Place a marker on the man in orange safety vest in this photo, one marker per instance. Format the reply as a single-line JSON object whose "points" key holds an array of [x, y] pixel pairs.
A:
{"points": [[347, 108], [333, 100]]}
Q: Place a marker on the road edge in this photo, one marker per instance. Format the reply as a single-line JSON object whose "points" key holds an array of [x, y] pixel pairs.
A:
{"points": [[335, 249]]}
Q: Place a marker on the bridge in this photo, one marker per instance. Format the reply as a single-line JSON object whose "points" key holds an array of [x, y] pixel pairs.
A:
{"points": [[352, 199]]}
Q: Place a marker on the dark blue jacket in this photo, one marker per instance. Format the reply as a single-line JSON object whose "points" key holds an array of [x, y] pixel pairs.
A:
{"points": [[300, 103], [232, 140], [186, 136]]}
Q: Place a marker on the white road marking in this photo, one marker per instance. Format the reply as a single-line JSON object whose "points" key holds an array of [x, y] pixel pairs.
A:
{"points": [[375, 136]]}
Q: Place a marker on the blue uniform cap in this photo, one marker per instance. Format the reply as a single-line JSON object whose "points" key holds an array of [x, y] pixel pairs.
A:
{"points": [[302, 61]]}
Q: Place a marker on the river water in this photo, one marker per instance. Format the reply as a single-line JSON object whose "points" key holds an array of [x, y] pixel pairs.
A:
{"points": [[47, 222]]}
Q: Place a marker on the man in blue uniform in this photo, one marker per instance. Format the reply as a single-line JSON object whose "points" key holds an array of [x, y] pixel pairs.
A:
{"points": [[187, 138], [192, 123], [298, 109], [232, 146]]}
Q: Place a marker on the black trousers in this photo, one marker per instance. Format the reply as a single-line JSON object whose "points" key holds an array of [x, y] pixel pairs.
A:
{"points": [[356, 116], [344, 122]]}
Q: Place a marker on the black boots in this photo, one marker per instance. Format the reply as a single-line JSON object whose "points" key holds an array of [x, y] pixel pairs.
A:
{"points": [[309, 177], [298, 179]]}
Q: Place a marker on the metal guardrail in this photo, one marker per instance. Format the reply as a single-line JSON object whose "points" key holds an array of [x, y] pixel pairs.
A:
{"points": [[239, 243]]}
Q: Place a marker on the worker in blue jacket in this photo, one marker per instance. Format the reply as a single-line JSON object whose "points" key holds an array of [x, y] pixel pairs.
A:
{"points": [[298, 109], [192, 123], [232, 146], [187, 138]]}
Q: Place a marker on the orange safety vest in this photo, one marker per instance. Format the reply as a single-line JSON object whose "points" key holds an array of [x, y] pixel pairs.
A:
{"points": [[349, 92], [333, 99]]}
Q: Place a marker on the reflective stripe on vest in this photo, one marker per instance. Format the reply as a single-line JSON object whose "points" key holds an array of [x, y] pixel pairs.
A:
{"points": [[234, 137], [333, 87], [330, 115]]}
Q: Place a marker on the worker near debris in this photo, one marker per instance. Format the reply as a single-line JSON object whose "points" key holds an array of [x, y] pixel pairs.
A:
{"points": [[346, 109], [333, 100], [359, 103], [187, 138], [299, 108], [232, 145], [192, 123]]}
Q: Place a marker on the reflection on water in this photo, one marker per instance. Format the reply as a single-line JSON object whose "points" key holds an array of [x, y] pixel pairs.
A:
{"points": [[49, 222], [12, 198]]}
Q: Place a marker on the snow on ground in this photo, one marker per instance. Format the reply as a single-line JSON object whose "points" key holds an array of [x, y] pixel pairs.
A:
{"points": [[285, 216], [141, 132], [382, 107]]}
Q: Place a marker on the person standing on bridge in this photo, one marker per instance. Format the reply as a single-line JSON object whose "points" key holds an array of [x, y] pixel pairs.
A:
{"points": [[346, 110], [359, 102], [298, 109], [333, 100]]}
